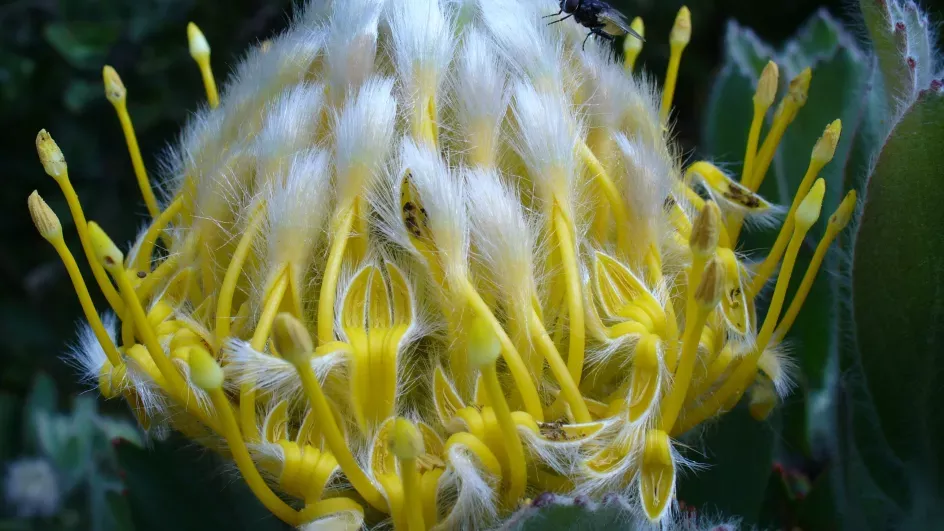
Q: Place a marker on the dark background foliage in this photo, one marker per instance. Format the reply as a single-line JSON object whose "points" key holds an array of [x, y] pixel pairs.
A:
{"points": [[51, 55]]}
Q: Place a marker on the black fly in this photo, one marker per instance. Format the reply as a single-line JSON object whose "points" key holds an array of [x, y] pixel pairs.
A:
{"points": [[599, 17]]}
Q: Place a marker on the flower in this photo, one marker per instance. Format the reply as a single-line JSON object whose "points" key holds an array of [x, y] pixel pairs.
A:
{"points": [[32, 488], [434, 257]]}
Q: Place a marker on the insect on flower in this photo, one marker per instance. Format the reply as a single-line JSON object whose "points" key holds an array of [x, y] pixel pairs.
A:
{"points": [[599, 17]]}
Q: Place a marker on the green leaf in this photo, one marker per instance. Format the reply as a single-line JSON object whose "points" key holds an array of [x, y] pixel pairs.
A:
{"points": [[738, 454], [898, 289], [569, 515], [85, 45], [895, 74], [40, 402]]}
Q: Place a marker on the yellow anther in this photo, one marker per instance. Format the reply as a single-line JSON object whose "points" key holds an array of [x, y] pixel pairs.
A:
{"points": [[116, 93], [406, 443], [843, 214], [825, 147], [205, 372], [709, 290], [786, 112], [46, 221], [767, 86], [48, 225], [705, 231], [678, 39], [657, 477], [704, 300], [633, 46], [837, 222], [808, 211], [735, 386], [55, 166], [200, 51], [763, 99], [51, 156], [822, 154]]}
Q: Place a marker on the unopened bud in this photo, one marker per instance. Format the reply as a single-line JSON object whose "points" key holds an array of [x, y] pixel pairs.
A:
{"points": [[205, 372], [709, 290], [105, 250], [483, 344], [406, 441], [46, 221], [767, 85], [199, 47], [50, 156], [808, 211], [705, 230], [682, 29], [291, 339], [115, 90], [826, 145]]}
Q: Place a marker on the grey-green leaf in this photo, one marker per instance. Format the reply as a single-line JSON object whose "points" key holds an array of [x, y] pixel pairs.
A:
{"points": [[898, 288]]}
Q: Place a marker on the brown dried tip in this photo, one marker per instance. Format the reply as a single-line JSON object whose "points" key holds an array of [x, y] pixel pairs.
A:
{"points": [[711, 287], [291, 338], [705, 230], [46, 221]]}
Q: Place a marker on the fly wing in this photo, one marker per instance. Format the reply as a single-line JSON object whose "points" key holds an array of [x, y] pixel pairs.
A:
{"points": [[614, 23]]}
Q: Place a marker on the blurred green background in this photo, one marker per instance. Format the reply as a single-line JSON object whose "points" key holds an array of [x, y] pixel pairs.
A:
{"points": [[51, 55]]}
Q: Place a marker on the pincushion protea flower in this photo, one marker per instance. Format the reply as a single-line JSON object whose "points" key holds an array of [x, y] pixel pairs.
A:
{"points": [[423, 259]]}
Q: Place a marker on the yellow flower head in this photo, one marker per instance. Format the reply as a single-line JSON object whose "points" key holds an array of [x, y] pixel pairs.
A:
{"points": [[431, 258]]}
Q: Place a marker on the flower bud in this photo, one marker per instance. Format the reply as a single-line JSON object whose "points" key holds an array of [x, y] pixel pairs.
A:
{"points": [[46, 221], [115, 90], [199, 47], [291, 339], [105, 250], [767, 85], [709, 290], [681, 33], [51, 156], [808, 211], [826, 146], [406, 441]]}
